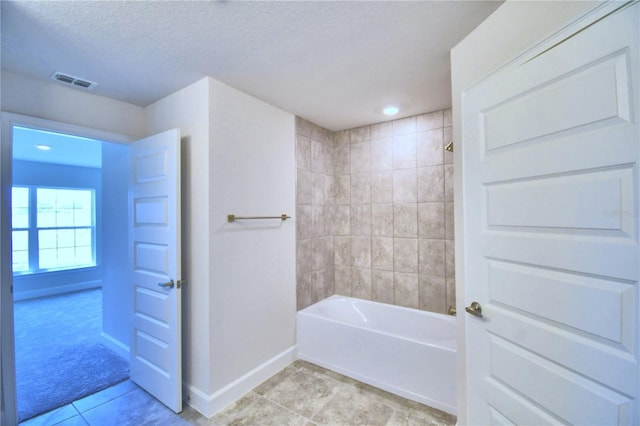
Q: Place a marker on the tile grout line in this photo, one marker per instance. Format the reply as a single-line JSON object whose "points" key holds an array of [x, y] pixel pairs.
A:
{"points": [[334, 386], [284, 408], [309, 419], [334, 394]]}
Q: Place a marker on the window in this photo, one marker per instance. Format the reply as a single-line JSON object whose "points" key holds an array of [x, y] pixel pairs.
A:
{"points": [[53, 229], [20, 231]]}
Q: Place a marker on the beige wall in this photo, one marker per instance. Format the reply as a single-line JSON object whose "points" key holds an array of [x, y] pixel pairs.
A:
{"points": [[239, 300], [188, 110], [252, 265], [375, 213]]}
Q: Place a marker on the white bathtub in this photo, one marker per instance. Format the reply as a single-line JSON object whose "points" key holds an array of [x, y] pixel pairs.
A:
{"points": [[404, 351]]}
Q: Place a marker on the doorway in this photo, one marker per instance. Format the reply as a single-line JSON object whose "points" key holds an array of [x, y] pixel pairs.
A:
{"points": [[141, 252], [68, 341]]}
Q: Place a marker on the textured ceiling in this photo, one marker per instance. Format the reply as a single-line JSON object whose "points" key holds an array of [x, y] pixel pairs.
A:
{"points": [[334, 63]]}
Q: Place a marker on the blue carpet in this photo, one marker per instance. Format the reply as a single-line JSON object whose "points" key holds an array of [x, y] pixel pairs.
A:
{"points": [[58, 355]]}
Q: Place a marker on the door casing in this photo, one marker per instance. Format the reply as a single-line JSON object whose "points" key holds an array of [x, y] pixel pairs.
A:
{"points": [[7, 347]]}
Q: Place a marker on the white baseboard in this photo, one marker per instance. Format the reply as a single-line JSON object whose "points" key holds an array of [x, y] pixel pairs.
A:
{"points": [[24, 295], [115, 345], [209, 405]]}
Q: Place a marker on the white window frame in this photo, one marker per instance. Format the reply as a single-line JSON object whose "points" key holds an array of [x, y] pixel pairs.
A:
{"points": [[34, 229]]}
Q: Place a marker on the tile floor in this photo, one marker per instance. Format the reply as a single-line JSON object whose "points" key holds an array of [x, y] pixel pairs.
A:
{"points": [[301, 394]]}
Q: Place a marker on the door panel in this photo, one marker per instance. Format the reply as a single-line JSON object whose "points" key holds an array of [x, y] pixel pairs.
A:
{"points": [[518, 286], [551, 219], [602, 84], [155, 246], [563, 202]]}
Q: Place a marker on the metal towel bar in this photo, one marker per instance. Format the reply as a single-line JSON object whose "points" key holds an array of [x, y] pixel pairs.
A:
{"points": [[233, 217]]}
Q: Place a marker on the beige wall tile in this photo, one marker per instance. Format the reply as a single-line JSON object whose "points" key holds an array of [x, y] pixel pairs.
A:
{"points": [[304, 291], [382, 286], [361, 219], [381, 130], [361, 188], [303, 127], [320, 193], [342, 251], [430, 184], [450, 269], [449, 221], [405, 220], [303, 152], [340, 220], [431, 220], [361, 252], [304, 222], [342, 189], [431, 257], [321, 134], [319, 157], [404, 126], [342, 159], [330, 184], [361, 134], [329, 280], [360, 229], [382, 220], [382, 253], [304, 256], [361, 285], [405, 186], [322, 252], [342, 137], [448, 182], [381, 154], [360, 157], [433, 295], [382, 187], [405, 255], [406, 291], [451, 292], [318, 221], [431, 120], [404, 151], [304, 186], [429, 148], [342, 278], [323, 283]]}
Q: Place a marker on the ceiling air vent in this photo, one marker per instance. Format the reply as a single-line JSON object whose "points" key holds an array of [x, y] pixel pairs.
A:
{"points": [[74, 81]]}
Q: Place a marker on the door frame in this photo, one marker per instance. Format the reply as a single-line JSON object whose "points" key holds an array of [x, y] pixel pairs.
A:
{"points": [[580, 22], [7, 346]]}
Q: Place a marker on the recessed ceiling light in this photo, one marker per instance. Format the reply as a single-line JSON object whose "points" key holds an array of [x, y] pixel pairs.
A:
{"points": [[390, 110], [43, 147]]}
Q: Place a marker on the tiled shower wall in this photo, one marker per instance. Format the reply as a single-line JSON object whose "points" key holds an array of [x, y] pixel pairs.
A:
{"points": [[382, 210], [314, 201]]}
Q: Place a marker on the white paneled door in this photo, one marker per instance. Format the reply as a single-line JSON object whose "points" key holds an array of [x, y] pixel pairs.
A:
{"points": [[551, 210], [154, 237]]}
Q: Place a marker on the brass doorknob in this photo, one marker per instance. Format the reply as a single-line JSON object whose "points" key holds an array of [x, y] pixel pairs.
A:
{"points": [[474, 309]]}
